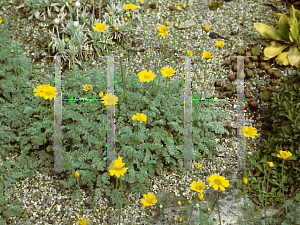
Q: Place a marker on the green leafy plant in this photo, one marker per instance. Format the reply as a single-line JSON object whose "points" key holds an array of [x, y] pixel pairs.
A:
{"points": [[240, 51], [255, 51], [281, 129], [28, 126], [264, 95], [287, 32], [214, 5], [292, 217], [277, 74], [250, 66], [250, 73]]}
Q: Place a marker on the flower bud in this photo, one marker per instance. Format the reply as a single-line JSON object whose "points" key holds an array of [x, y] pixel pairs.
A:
{"points": [[207, 28], [177, 7], [176, 25], [76, 174], [179, 203], [245, 181], [183, 6], [77, 5], [66, 40], [116, 28], [167, 23], [128, 15], [121, 55], [56, 21], [141, 2], [270, 164], [76, 24], [110, 13], [125, 19], [200, 196]]}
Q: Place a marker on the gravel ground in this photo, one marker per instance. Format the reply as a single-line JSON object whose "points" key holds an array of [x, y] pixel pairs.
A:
{"points": [[234, 21]]}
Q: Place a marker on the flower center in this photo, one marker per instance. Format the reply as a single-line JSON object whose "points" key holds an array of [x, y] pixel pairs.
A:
{"points": [[48, 93], [217, 181]]}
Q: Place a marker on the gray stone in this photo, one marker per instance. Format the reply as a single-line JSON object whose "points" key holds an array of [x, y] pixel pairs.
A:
{"points": [[153, 5], [188, 24]]}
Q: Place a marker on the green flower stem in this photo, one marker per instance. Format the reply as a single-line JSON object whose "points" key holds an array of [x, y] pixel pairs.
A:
{"points": [[265, 201], [204, 77], [218, 207], [160, 65], [173, 40], [77, 15], [182, 215], [244, 186], [99, 7], [149, 214], [123, 75], [149, 98], [173, 47], [200, 52], [119, 203], [102, 50], [160, 215], [71, 12], [157, 67], [218, 63], [169, 87], [53, 113], [200, 211], [99, 53], [82, 67], [136, 130], [124, 83], [47, 108], [187, 206], [129, 55], [79, 198], [138, 108], [145, 37], [57, 31], [282, 189], [166, 88], [50, 78], [192, 210]]}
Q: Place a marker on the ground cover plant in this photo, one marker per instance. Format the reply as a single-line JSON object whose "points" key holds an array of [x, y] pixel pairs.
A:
{"points": [[149, 132]]}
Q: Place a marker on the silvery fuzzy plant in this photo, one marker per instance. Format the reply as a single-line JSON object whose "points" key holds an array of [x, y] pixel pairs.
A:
{"points": [[47, 5], [86, 35]]}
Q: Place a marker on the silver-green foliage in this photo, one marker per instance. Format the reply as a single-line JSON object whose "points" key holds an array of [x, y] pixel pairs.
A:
{"points": [[29, 128]]}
